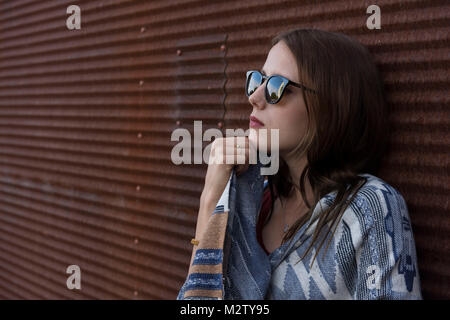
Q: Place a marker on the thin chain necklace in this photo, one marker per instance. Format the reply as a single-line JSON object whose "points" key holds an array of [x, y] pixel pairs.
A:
{"points": [[286, 225]]}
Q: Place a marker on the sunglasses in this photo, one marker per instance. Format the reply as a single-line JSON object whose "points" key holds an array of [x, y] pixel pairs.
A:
{"points": [[275, 85]]}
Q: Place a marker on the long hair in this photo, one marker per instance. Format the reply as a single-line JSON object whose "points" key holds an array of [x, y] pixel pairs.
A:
{"points": [[347, 130]]}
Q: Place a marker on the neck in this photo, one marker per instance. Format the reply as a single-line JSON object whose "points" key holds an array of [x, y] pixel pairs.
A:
{"points": [[296, 166]]}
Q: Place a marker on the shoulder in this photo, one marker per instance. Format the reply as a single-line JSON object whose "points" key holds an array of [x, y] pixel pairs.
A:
{"points": [[379, 205], [378, 223]]}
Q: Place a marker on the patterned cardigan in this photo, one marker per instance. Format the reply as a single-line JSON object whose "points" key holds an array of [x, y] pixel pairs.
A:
{"points": [[372, 254]]}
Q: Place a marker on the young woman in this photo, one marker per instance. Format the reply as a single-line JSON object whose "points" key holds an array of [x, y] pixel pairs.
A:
{"points": [[323, 93]]}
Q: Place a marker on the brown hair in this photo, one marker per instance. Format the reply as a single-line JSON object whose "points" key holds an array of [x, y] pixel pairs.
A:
{"points": [[347, 132]]}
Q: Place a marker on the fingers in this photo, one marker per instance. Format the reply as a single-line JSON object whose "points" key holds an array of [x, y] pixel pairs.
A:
{"points": [[238, 146], [231, 150]]}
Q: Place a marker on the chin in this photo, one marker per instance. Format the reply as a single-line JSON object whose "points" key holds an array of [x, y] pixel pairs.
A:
{"points": [[263, 143]]}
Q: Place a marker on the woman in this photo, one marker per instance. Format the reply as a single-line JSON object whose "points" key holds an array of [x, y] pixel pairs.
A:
{"points": [[324, 94]]}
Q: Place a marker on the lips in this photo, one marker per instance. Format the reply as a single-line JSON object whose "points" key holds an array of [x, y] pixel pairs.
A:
{"points": [[255, 122]]}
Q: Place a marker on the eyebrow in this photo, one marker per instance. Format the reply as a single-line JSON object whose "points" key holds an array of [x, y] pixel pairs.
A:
{"points": [[264, 73]]}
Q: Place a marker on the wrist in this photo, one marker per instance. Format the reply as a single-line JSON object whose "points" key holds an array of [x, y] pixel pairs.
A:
{"points": [[208, 200], [207, 207]]}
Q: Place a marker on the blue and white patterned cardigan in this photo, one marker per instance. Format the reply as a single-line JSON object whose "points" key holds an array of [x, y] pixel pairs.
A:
{"points": [[372, 254]]}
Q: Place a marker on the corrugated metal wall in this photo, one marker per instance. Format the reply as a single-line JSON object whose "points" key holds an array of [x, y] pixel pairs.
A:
{"points": [[86, 118]]}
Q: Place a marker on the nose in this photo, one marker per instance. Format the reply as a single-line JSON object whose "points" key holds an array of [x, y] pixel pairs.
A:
{"points": [[257, 98]]}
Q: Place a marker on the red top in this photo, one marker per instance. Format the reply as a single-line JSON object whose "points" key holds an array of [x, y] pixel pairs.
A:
{"points": [[265, 208]]}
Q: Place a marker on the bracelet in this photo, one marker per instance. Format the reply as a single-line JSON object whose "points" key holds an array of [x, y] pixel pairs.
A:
{"points": [[194, 242]]}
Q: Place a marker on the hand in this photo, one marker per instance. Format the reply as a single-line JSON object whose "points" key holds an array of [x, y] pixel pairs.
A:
{"points": [[223, 157]]}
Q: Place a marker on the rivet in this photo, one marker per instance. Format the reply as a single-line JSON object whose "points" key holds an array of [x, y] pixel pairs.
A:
{"points": [[135, 293], [143, 29], [178, 122], [138, 188], [136, 241], [220, 124], [222, 47], [139, 135], [141, 82], [178, 52]]}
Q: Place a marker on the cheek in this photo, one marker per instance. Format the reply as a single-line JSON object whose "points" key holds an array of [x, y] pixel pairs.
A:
{"points": [[293, 127], [291, 124]]}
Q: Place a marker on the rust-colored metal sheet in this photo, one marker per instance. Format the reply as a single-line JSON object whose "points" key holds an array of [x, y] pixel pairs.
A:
{"points": [[86, 118]]}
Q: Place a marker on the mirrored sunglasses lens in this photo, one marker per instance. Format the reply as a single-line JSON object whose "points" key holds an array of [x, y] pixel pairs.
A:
{"points": [[275, 88], [254, 82]]}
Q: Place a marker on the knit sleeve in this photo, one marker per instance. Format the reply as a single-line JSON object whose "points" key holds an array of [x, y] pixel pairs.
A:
{"points": [[205, 276], [384, 245]]}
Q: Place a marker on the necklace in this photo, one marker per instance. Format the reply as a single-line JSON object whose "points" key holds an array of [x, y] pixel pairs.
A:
{"points": [[286, 225]]}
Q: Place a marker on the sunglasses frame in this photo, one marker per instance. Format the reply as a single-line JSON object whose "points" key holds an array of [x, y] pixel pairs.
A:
{"points": [[266, 92]]}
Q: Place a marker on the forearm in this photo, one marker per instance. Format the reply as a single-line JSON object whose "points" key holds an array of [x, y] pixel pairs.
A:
{"points": [[204, 213]]}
